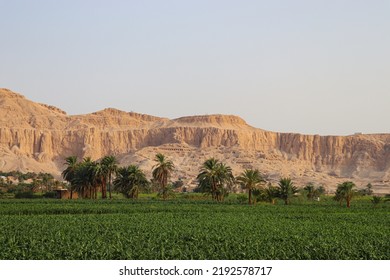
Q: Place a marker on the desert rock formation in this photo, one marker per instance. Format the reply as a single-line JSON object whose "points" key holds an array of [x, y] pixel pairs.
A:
{"points": [[37, 137]]}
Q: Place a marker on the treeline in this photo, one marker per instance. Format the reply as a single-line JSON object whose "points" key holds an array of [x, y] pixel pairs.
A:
{"points": [[89, 177], [26, 185], [21, 177], [215, 178]]}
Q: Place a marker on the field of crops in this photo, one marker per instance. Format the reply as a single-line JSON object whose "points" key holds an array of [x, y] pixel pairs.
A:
{"points": [[151, 229]]}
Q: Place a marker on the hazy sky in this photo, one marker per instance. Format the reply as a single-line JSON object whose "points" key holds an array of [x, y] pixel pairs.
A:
{"points": [[318, 67]]}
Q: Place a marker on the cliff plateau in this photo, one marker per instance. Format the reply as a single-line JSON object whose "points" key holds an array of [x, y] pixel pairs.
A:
{"points": [[37, 137]]}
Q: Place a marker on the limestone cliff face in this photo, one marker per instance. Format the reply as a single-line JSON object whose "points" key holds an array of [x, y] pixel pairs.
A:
{"points": [[349, 153], [46, 134]]}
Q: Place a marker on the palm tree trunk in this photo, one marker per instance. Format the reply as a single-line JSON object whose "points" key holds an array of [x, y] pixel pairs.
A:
{"points": [[104, 190], [250, 196], [164, 183], [109, 184], [214, 191]]}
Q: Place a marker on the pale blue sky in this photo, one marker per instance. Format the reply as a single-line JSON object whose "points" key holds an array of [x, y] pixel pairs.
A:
{"points": [[317, 67]]}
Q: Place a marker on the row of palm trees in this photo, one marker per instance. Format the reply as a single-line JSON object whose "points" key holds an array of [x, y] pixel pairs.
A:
{"points": [[131, 180], [88, 177], [216, 178]]}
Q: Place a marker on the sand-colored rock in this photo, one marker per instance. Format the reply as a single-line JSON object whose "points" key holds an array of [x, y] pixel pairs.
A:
{"points": [[36, 137]]}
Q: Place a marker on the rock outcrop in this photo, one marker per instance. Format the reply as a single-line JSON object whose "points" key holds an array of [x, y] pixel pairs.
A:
{"points": [[37, 137]]}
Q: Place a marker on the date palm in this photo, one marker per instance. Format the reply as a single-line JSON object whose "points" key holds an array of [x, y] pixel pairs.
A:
{"points": [[311, 191], [250, 180], [286, 189], [69, 173], [99, 177], [87, 178], [130, 180], [162, 172], [226, 181], [207, 177], [213, 177], [345, 191], [111, 165], [271, 193], [82, 179]]}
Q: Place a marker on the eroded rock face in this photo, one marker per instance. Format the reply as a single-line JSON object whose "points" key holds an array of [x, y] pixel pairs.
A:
{"points": [[34, 136]]}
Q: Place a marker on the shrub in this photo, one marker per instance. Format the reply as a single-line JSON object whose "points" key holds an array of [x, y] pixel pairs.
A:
{"points": [[242, 198], [50, 195], [26, 194], [376, 200]]}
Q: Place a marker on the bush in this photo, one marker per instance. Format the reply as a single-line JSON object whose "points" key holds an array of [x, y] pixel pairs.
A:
{"points": [[27, 194], [50, 195], [367, 190], [376, 200], [242, 198]]}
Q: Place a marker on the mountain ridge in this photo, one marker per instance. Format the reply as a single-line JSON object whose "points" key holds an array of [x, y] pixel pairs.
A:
{"points": [[36, 137]]}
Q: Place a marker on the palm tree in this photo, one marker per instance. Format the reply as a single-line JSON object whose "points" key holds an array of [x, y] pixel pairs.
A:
{"points": [[162, 172], [250, 179], [69, 173], [311, 191], [339, 196], [271, 193], [99, 177], [81, 180], [208, 177], [93, 176], [345, 192], [130, 180], [226, 181], [111, 165], [286, 189], [214, 177], [86, 180]]}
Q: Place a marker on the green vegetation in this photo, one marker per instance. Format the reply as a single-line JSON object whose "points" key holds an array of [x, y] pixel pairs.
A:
{"points": [[185, 228], [286, 190], [111, 166], [16, 184], [21, 177], [376, 200], [312, 192], [215, 178], [250, 180], [140, 222], [345, 191], [367, 190], [161, 174], [130, 181]]}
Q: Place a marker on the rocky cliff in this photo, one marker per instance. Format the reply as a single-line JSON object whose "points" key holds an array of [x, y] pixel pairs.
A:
{"points": [[38, 137]]}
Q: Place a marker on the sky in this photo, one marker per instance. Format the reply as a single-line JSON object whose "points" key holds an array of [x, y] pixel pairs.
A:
{"points": [[314, 67]]}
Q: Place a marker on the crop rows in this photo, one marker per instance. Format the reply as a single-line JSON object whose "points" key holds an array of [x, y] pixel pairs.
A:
{"points": [[48, 229]]}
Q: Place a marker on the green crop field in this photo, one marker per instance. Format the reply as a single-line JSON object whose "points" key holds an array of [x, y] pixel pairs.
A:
{"points": [[180, 229]]}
